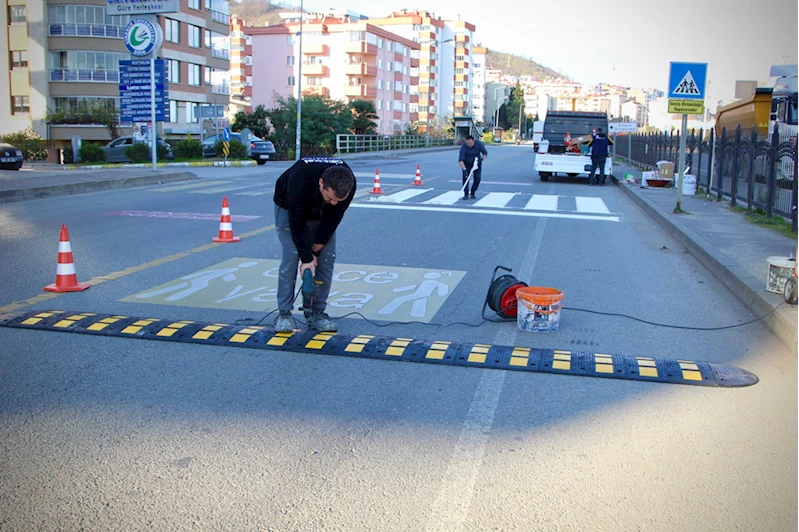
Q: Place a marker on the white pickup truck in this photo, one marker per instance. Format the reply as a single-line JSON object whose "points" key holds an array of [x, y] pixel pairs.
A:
{"points": [[578, 126]]}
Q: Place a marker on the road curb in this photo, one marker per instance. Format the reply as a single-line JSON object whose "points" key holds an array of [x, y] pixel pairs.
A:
{"points": [[744, 286], [67, 189], [159, 165]]}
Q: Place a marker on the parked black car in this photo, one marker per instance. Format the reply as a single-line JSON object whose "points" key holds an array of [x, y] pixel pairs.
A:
{"points": [[115, 150], [10, 157], [260, 150]]}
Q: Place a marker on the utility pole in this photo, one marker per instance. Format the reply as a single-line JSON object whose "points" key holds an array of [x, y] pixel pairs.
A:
{"points": [[299, 96]]}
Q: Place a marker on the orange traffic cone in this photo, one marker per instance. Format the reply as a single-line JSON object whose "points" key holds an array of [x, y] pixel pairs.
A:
{"points": [[225, 225], [377, 189], [418, 179], [65, 278]]}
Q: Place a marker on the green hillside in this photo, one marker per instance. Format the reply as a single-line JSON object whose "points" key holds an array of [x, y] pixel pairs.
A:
{"points": [[514, 65], [260, 12]]}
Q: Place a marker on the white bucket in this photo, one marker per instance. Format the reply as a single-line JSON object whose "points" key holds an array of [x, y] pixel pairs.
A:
{"points": [[543, 146], [538, 308], [779, 270], [688, 185]]}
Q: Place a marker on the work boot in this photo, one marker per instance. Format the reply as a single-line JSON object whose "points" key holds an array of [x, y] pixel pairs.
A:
{"points": [[319, 321], [465, 197], [284, 322], [473, 196]]}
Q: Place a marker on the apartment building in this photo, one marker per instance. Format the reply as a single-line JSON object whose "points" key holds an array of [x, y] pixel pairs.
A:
{"points": [[240, 60], [343, 57], [446, 80], [64, 56], [479, 67]]}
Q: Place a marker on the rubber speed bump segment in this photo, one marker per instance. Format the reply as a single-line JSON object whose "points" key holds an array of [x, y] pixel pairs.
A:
{"points": [[529, 359]]}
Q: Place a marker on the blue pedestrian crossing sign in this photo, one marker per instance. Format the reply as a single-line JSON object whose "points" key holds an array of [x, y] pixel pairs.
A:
{"points": [[687, 81]]}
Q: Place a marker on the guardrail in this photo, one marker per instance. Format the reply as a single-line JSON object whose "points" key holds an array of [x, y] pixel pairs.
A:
{"points": [[84, 76], [361, 143], [86, 30]]}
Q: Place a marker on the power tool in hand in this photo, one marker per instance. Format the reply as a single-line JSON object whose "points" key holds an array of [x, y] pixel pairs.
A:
{"points": [[308, 288]]}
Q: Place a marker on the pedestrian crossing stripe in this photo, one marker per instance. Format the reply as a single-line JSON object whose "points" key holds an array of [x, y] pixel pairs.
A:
{"points": [[495, 212], [687, 85]]}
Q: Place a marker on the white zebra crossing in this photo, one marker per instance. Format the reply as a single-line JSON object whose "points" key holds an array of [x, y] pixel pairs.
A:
{"points": [[541, 202], [595, 205]]}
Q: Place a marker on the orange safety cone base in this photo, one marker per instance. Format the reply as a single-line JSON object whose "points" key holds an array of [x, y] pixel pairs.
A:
{"points": [[230, 239], [78, 287]]}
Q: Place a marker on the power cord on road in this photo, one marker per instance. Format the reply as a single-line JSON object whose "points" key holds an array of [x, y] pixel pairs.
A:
{"points": [[490, 319]]}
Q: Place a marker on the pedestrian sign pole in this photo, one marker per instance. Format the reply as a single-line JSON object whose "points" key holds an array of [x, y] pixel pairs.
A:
{"points": [[687, 83]]}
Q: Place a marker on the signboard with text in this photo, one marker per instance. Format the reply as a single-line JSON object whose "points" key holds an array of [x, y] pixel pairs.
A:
{"points": [[135, 91], [141, 7]]}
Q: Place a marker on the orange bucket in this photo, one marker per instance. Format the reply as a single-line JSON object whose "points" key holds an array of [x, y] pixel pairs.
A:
{"points": [[538, 308]]}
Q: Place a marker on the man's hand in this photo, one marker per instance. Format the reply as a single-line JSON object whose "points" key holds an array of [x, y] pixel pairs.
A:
{"points": [[308, 266]]}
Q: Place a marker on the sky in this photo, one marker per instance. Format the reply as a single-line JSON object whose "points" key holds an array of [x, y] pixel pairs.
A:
{"points": [[623, 42]]}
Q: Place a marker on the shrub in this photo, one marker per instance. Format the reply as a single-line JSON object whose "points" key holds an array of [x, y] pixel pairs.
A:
{"points": [[189, 148], [237, 150], [488, 137], [91, 152], [138, 152], [29, 143], [161, 152]]}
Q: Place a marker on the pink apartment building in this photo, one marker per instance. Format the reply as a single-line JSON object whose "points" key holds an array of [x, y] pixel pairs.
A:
{"points": [[342, 58]]}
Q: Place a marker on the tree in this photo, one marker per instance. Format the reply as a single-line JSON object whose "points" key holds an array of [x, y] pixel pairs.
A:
{"points": [[513, 108], [101, 113], [257, 120], [363, 114], [322, 120]]}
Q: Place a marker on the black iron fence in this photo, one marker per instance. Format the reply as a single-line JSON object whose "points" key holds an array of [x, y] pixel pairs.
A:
{"points": [[740, 167]]}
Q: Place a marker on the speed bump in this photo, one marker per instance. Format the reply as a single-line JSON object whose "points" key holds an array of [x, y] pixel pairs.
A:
{"points": [[529, 359]]}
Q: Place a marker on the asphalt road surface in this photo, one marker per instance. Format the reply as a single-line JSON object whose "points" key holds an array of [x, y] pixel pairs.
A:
{"points": [[107, 433]]}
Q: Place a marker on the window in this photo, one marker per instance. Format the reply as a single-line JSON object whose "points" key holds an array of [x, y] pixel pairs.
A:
{"points": [[380, 43], [86, 60], [20, 105], [379, 86], [195, 4], [380, 64], [194, 36], [171, 30], [290, 60], [290, 39], [290, 81], [174, 71], [194, 75], [388, 46], [18, 59], [173, 111], [191, 112], [18, 15]]}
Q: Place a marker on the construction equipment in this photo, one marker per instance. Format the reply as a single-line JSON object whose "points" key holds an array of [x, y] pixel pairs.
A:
{"points": [[308, 289]]}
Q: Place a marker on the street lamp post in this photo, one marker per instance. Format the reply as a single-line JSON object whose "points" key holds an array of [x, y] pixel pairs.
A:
{"points": [[299, 95], [427, 114]]}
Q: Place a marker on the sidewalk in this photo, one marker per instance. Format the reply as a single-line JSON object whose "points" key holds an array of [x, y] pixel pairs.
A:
{"points": [[724, 242], [53, 180]]}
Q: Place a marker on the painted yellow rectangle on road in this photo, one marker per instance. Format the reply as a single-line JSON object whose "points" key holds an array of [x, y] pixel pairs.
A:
{"points": [[384, 293]]}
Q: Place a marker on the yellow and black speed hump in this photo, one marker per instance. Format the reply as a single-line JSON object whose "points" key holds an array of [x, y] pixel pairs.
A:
{"points": [[563, 362]]}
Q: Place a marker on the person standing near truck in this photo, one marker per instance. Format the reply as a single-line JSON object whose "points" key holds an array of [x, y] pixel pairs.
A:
{"points": [[599, 153], [471, 150]]}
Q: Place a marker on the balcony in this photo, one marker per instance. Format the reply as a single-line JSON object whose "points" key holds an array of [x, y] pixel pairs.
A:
{"points": [[461, 51], [397, 76], [315, 69], [414, 117], [397, 115], [460, 105], [218, 16], [461, 77], [86, 30], [84, 76], [220, 89], [360, 69], [414, 81], [317, 91], [414, 98], [415, 62], [315, 49], [399, 58], [460, 38], [360, 47], [220, 53], [360, 91]]}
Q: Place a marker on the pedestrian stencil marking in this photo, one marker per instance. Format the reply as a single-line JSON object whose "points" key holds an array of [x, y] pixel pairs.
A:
{"points": [[377, 292]]}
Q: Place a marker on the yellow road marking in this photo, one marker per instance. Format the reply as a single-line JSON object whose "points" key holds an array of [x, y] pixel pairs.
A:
{"points": [[16, 305]]}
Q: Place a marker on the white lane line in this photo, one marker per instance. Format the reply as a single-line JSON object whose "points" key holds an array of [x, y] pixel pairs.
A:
{"points": [[595, 205], [186, 187], [452, 504], [220, 189], [399, 197], [410, 177], [495, 199], [255, 192], [484, 182], [541, 202], [467, 210], [447, 198]]}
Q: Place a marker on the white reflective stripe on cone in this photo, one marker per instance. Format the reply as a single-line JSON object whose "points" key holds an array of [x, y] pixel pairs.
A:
{"points": [[225, 210], [225, 226], [64, 247], [66, 269]]}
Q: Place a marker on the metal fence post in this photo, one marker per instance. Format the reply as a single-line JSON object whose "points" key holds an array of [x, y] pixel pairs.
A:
{"points": [[750, 193], [772, 174], [795, 188], [699, 158], [711, 166], [734, 184], [722, 151]]}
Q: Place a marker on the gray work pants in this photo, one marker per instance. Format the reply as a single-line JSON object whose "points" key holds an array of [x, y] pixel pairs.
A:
{"points": [[287, 277]]}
